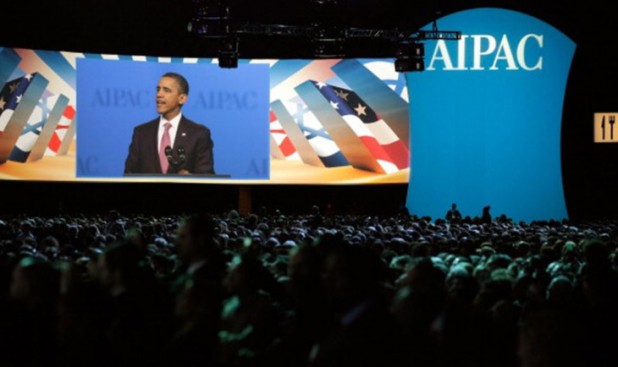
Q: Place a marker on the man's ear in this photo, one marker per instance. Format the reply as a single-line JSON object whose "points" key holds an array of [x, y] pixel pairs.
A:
{"points": [[182, 98]]}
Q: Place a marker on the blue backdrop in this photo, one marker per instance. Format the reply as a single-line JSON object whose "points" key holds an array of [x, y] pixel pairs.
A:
{"points": [[116, 96], [486, 117]]}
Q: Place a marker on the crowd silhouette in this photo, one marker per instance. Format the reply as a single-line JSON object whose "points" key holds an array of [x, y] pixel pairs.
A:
{"points": [[311, 290]]}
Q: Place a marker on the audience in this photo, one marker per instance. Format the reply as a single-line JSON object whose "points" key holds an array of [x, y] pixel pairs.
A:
{"points": [[306, 290]]}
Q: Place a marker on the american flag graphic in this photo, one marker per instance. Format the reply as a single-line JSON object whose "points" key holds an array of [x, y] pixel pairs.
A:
{"points": [[386, 72], [390, 152], [320, 140], [59, 68], [63, 125], [32, 130], [374, 132], [281, 138], [10, 97]]}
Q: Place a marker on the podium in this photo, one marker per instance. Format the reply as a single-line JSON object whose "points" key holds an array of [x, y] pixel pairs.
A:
{"points": [[175, 175]]}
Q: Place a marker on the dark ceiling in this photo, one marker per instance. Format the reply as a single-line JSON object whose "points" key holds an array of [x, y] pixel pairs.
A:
{"points": [[155, 27]]}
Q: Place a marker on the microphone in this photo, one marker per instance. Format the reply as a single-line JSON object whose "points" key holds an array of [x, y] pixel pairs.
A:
{"points": [[181, 155], [169, 153], [175, 160]]}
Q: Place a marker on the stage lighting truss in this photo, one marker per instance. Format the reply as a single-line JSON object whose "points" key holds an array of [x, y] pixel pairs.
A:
{"points": [[212, 20]]}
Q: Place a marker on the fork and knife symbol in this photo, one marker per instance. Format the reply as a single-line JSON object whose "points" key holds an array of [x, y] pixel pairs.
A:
{"points": [[612, 121]]}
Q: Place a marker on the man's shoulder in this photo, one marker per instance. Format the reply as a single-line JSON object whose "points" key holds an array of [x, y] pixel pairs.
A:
{"points": [[147, 125], [192, 125]]}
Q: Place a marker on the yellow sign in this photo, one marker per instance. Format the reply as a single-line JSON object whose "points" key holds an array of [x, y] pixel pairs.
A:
{"points": [[606, 127]]}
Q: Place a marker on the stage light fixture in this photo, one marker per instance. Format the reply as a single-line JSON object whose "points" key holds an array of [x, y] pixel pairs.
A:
{"points": [[410, 56], [211, 19], [228, 53], [328, 41]]}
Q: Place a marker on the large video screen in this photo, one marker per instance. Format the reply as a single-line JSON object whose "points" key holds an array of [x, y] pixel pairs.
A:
{"points": [[69, 116]]}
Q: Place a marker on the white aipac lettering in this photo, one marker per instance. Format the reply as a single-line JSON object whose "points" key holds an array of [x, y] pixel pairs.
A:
{"points": [[461, 53], [486, 50], [440, 53], [521, 52], [478, 51], [504, 53]]}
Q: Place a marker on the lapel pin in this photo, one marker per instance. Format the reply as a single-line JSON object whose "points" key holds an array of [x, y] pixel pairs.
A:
{"points": [[183, 134]]}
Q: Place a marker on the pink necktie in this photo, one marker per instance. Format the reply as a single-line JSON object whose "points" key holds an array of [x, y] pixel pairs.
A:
{"points": [[165, 142]]}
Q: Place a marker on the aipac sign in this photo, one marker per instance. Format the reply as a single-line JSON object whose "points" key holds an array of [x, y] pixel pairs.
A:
{"points": [[486, 47], [486, 117]]}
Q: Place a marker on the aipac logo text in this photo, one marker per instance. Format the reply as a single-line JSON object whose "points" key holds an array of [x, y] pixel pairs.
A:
{"points": [[489, 53]]}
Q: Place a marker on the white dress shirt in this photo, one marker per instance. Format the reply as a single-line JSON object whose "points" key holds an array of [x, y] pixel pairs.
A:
{"points": [[162, 121]]}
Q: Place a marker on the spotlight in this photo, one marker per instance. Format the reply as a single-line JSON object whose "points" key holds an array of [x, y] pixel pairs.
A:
{"points": [[328, 41], [209, 29], [228, 53], [410, 56], [405, 65], [328, 49]]}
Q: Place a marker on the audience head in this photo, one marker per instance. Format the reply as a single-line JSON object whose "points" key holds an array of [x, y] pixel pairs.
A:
{"points": [[195, 238], [119, 266], [34, 282], [351, 274]]}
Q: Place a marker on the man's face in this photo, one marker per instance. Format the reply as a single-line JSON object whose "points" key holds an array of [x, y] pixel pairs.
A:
{"points": [[169, 98]]}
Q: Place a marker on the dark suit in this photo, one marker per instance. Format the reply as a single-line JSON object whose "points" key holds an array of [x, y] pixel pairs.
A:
{"points": [[194, 138]]}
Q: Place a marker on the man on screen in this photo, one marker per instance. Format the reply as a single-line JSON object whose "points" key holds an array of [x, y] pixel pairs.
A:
{"points": [[170, 143]]}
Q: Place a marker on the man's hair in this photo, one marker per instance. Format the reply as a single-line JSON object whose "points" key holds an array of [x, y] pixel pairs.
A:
{"points": [[124, 257], [182, 82], [202, 227]]}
